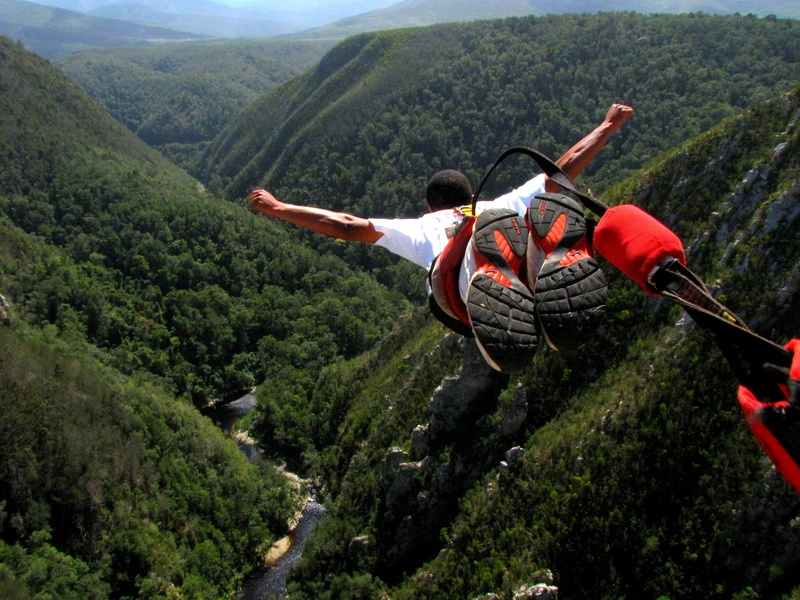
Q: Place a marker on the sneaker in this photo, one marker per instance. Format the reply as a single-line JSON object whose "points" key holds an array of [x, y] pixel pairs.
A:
{"points": [[501, 308], [569, 287]]}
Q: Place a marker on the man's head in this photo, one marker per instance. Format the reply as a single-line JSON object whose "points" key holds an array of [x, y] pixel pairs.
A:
{"points": [[448, 189]]}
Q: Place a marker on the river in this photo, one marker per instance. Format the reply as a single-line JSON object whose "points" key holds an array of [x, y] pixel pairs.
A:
{"points": [[268, 583]]}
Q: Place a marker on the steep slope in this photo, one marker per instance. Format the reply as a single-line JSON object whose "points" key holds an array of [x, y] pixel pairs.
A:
{"points": [[365, 129], [634, 474], [53, 32], [111, 488], [413, 13], [163, 278], [178, 97]]}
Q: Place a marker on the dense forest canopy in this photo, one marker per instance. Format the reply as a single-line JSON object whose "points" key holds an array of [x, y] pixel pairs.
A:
{"points": [[178, 97], [162, 276], [111, 488]]}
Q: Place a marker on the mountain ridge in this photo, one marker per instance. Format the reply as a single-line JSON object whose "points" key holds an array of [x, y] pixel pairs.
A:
{"points": [[526, 62], [414, 13], [54, 32]]}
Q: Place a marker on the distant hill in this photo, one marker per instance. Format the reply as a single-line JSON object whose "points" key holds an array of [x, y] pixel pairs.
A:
{"points": [[411, 13], [54, 32], [414, 13], [228, 22], [178, 97], [297, 16]]}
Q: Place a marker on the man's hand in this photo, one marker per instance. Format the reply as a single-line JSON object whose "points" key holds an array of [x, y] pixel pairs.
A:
{"points": [[617, 116], [263, 202]]}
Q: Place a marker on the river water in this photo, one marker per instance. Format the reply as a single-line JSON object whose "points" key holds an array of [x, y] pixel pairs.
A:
{"points": [[269, 583]]}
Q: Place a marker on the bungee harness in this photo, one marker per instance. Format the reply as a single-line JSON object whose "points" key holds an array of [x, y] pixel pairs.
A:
{"points": [[444, 299]]}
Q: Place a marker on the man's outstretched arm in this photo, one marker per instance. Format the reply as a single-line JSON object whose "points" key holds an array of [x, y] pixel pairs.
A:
{"points": [[341, 226], [580, 156]]}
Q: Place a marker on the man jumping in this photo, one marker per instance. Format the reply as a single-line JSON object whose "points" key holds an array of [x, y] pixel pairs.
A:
{"points": [[518, 271]]}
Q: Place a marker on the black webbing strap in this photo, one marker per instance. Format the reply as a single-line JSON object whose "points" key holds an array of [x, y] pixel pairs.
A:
{"points": [[551, 169], [758, 363]]}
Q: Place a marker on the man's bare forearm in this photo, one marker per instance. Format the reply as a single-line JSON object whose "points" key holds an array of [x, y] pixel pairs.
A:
{"points": [[333, 224], [581, 155]]}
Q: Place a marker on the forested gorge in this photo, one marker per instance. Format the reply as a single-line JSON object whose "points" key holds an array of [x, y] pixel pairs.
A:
{"points": [[177, 98], [163, 277], [138, 295]]}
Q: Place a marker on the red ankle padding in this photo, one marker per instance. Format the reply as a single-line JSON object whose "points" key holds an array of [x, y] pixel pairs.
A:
{"points": [[783, 461], [753, 409], [635, 242], [794, 347]]}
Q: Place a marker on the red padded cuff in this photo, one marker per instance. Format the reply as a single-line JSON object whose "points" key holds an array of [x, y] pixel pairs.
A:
{"points": [[794, 346], [636, 242], [783, 461]]}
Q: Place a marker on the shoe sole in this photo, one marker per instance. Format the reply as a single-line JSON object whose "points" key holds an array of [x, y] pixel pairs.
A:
{"points": [[504, 323], [555, 222], [570, 301], [569, 286], [500, 236], [503, 316]]}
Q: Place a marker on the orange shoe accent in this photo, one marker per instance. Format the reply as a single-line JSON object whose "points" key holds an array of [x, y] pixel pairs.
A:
{"points": [[512, 260], [490, 270], [578, 252], [551, 240], [516, 226]]}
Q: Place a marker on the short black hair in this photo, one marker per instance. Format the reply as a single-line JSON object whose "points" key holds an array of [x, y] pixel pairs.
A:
{"points": [[448, 189]]}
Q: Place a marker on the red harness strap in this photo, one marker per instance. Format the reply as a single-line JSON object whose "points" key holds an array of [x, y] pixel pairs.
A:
{"points": [[445, 273], [776, 424]]}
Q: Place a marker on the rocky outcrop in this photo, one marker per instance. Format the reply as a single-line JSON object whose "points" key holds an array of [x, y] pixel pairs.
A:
{"points": [[514, 415], [539, 591], [544, 590], [420, 442], [786, 209], [5, 311], [421, 488], [461, 399]]}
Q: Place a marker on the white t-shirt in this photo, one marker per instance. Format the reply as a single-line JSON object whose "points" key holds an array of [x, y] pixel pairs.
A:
{"points": [[421, 240]]}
